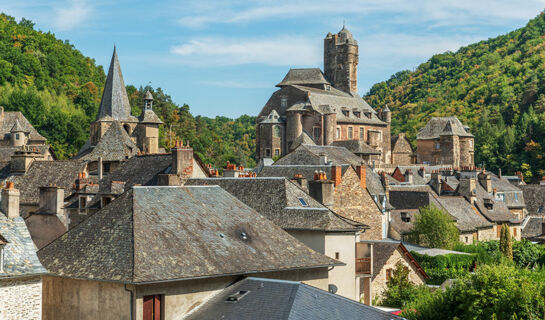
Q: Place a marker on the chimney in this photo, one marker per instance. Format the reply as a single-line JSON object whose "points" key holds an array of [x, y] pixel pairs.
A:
{"points": [[81, 182], [499, 173], [485, 181], [300, 181], [182, 160], [409, 176], [100, 168], [467, 188], [336, 175], [21, 160], [322, 189], [10, 200], [51, 200], [117, 187], [361, 170], [231, 170], [435, 181], [519, 174]]}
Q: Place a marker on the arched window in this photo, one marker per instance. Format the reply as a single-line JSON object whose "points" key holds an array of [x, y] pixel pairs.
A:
{"points": [[277, 131]]}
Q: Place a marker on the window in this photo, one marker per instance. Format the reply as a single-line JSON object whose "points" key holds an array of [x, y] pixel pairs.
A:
{"points": [[350, 133], [268, 152], [437, 145], [16, 136], [516, 197], [368, 115], [346, 113], [388, 274], [106, 200], [284, 102], [467, 239], [471, 143], [303, 202], [337, 255], [405, 217], [361, 133], [2, 258], [277, 131], [276, 152], [357, 114], [338, 134], [106, 167], [82, 202], [152, 307], [316, 133]]}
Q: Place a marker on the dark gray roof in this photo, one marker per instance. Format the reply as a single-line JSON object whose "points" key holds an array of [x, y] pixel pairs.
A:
{"points": [[273, 117], [154, 234], [17, 127], [438, 126], [148, 116], [534, 198], [283, 300], [5, 168], [19, 253], [307, 154], [277, 199], [500, 212], [62, 173], [8, 120], [6, 152], [148, 95], [289, 171], [115, 145], [532, 227], [467, 219], [115, 102], [303, 138], [303, 77], [356, 147]]}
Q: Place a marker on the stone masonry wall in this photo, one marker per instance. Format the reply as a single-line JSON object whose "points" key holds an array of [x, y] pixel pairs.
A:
{"points": [[21, 298]]}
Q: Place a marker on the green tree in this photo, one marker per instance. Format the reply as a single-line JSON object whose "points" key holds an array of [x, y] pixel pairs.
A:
{"points": [[434, 228], [506, 242]]}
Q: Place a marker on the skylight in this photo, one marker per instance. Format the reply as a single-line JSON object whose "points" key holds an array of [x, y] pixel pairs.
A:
{"points": [[303, 202]]}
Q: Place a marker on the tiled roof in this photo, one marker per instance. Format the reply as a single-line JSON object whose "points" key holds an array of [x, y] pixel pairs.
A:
{"points": [[442, 126], [62, 173], [499, 213], [307, 154], [115, 102], [8, 120], [303, 77], [534, 197], [533, 226], [277, 199], [115, 145], [303, 138], [467, 218], [154, 234], [19, 253], [289, 171], [356, 146], [283, 300]]}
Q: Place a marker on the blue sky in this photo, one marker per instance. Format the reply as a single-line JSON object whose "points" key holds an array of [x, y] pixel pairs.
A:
{"points": [[223, 57]]}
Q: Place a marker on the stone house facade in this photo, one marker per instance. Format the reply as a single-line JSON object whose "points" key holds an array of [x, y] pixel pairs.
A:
{"points": [[402, 151]]}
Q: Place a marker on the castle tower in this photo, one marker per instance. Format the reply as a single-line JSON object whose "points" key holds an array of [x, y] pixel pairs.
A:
{"points": [[147, 133], [341, 60], [17, 134]]}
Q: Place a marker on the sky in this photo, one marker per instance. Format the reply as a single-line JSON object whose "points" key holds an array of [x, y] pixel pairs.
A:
{"points": [[224, 57]]}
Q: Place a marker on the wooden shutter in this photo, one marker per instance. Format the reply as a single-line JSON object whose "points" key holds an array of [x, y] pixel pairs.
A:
{"points": [[152, 307], [499, 230]]}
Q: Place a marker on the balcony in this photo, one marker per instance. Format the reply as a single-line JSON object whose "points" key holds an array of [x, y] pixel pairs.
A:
{"points": [[363, 266]]}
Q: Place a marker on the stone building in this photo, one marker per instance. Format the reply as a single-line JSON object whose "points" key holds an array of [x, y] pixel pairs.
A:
{"points": [[445, 141], [322, 107], [20, 270], [116, 135], [160, 252], [402, 151]]}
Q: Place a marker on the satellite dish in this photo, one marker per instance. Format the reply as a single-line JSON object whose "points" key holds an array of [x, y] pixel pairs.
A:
{"points": [[332, 288]]}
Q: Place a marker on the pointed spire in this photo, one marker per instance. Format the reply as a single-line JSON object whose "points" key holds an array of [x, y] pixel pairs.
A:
{"points": [[17, 127], [115, 102]]}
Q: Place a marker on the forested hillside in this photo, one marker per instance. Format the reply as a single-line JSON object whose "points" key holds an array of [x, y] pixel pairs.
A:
{"points": [[496, 86], [58, 89]]}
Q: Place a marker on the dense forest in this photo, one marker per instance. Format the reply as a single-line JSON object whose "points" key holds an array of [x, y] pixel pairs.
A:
{"points": [[497, 87], [58, 90]]}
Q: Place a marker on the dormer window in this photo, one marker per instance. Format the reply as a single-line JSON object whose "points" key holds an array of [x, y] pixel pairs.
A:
{"points": [[488, 204], [346, 113], [357, 114], [368, 115], [405, 217], [284, 102], [303, 202]]}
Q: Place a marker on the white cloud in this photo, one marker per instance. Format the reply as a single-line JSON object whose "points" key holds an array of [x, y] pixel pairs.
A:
{"points": [[75, 13], [282, 51]]}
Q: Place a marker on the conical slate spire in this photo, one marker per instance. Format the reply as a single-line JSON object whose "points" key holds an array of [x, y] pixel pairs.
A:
{"points": [[115, 102], [17, 127]]}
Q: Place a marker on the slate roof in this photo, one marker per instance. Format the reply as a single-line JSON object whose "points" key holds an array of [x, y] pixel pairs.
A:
{"points": [[5, 168], [273, 117], [44, 228], [467, 218], [438, 126], [283, 300], [115, 102], [115, 145], [8, 120], [277, 199], [534, 198], [62, 173], [148, 116], [356, 147], [303, 138], [289, 171], [512, 195], [533, 226], [303, 77], [307, 154], [19, 253], [7, 151], [383, 250], [154, 234], [500, 212]]}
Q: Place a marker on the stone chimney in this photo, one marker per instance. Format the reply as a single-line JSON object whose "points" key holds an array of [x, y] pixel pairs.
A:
{"points": [[336, 175], [21, 160], [361, 170], [51, 200], [232, 170], [485, 181], [182, 160], [322, 189], [10, 200], [519, 174], [81, 182], [300, 181], [409, 176], [117, 187], [467, 188], [499, 173], [435, 181]]}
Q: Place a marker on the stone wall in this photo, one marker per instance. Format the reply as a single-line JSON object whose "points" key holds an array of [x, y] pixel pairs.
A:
{"points": [[379, 280], [21, 298], [487, 234], [354, 202]]}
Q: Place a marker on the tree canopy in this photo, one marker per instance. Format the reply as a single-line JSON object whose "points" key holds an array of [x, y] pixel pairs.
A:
{"points": [[434, 228]]}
